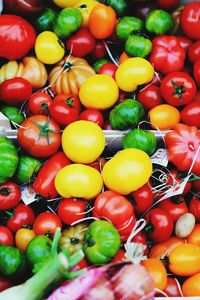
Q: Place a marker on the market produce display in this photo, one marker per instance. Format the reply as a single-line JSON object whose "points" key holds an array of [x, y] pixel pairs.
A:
{"points": [[82, 217]]}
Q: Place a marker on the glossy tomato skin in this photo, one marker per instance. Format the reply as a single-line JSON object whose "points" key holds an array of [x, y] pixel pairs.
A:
{"points": [[194, 207], [190, 115], [6, 236], [39, 103], [81, 43], [65, 109], [10, 195], [150, 96], [22, 238], [190, 20], [141, 238], [15, 90], [29, 136], [184, 42], [23, 216], [160, 225], [109, 69], [5, 283], [194, 52], [99, 50], [171, 289], [143, 198], [168, 5], [196, 72], [46, 222], [176, 208], [92, 115], [173, 178], [71, 210]]}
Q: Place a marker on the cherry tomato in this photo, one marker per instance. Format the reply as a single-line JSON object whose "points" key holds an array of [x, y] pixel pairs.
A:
{"points": [[5, 283], [81, 43], [109, 69], [157, 270], [150, 96], [22, 238], [15, 90], [173, 178], [172, 289], [119, 257], [196, 72], [160, 225], [185, 42], [194, 207], [39, 103], [92, 115], [169, 4], [10, 195], [99, 50], [46, 223], [6, 236], [176, 207], [23, 215], [190, 115], [194, 237], [71, 210], [143, 198], [190, 20], [194, 52]]}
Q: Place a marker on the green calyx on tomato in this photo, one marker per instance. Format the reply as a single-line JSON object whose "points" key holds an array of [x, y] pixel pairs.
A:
{"points": [[159, 22], [178, 90], [126, 26], [138, 45], [14, 114], [102, 242], [44, 130], [45, 19]]}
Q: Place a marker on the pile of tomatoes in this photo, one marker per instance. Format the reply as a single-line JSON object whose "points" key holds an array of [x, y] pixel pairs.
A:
{"points": [[71, 69]]}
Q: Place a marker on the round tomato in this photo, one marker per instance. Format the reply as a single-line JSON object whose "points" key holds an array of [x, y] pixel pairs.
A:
{"points": [[194, 52], [119, 257], [109, 69], [160, 225], [190, 115], [6, 236], [176, 207], [143, 198], [150, 96], [99, 50], [194, 237], [169, 4], [10, 195], [191, 286], [5, 283], [184, 42], [92, 115], [196, 72], [39, 136], [39, 103], [194, 207], [162, 250], [157, 270], [190, 20], [172, 289], [140, 238], [46, 223], [164, 116], [71, 210], [22, 238], [178, 88], [85, 7], [15, 90], [23, 216], [65, 109]]}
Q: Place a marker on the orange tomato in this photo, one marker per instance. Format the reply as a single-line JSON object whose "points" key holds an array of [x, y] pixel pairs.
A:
{"points": [[184, 260], [160, 250], [23, 237], [194, 237], [123, 57], [164, 116], [191, 286], [157, 271], [102, 21]]}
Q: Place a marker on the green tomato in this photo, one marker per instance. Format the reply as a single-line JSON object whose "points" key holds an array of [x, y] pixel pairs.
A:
{"points": [[102, 242], [14, 114], [27, 167], [99, 63], [45, 20], [67, 21], [138, 46], [140, 139], [127, 25], [159, 22]]}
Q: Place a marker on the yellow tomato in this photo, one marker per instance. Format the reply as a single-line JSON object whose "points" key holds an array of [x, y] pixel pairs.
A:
{"points": [[83, 141], [133, 72], [99, 91], [22, 238], [158, 272], [194, 237], [127, 171], [79, 181], [65, 3], [164, 116], [191, 286], [184, 260], [85, 7], [48, 48]]}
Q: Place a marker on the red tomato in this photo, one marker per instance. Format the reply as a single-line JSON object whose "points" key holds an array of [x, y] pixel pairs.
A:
{"points": [[169, 4], [126, 228], [194, 207], [160, 225], [184, 42], [140, 238], [39, 103], [23, 215], [197, 96], [173, 178], [175, 207], [81, 43], [39, 135], [119, 257], [98, 164], [190, 115], [46, 223], [196, 72], [178, 88], [172, 289], [10, 195], [143, 198], [194, 52], [65, 109], [92, 115], [149, 96], [15, 90], [5, 283], [6, 236], [99, 50], [196, 185], [109, 69], [71, 210], [190, 20]]}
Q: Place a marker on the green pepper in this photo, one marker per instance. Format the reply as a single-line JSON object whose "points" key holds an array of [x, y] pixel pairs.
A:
{"points": [[126, 115], [102, 242], [45, 20], [99, 63], [141, 139], [67, 21], [27, 167], [137, 45], [159, 22], [14, 114], [12, 261], [128, 25], [120, 6]]}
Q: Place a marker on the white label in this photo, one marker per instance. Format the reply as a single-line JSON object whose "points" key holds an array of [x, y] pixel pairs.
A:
{"points": [[28, 194], [160, 157]]}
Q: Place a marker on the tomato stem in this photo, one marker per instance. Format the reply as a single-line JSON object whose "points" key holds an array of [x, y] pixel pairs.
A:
{"points": [[179, 90], [44, 130], [149, 228]]}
